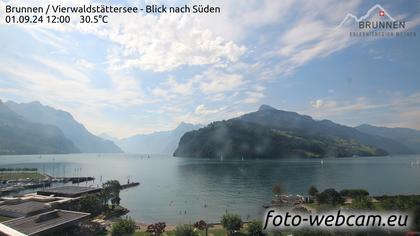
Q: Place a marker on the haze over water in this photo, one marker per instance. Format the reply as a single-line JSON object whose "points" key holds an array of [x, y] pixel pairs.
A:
{"points": [[181, 190]]}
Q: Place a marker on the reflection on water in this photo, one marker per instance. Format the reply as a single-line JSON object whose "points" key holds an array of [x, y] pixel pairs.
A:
{"points": [[183, 190]]}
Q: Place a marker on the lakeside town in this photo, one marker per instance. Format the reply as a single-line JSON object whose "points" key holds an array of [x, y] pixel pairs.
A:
{"points": [[61, 206]]}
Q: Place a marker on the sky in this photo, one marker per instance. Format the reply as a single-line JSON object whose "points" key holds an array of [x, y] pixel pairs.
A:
{"points": [[148, 72]]}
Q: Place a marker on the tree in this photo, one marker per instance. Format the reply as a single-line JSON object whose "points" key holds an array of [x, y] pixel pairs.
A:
{"points": [[354, 193], [111, 191], [330, 196], [186, 230], [361, 203], [91, 204], [202, 225], [156, 228], [123, 227], [312, 191], [231, 222], [254, 228], [278, 189]]}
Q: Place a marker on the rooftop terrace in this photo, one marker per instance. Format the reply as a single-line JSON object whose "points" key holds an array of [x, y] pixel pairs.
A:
{"points": [[21, 209], [44, 223], [68, 191]]}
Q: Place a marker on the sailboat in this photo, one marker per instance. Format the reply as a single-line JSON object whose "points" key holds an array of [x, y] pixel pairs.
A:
{"points": [[242, 158], [221, 157]]}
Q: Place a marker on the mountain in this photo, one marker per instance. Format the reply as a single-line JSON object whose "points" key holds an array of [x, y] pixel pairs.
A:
{"points": [[108, 137], [408, 137], [302, 124], [164, 142], [271, 133], [18, 136], [85, 141]]}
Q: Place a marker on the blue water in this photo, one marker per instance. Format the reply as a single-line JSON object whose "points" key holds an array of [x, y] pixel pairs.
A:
{"points": [[177, 190]]}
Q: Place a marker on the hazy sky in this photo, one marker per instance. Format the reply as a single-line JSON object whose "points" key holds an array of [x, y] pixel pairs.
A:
{"points": [[143, 73]]}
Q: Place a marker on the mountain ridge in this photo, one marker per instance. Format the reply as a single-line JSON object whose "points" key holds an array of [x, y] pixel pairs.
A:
{"points": [[408, 137], [85, 141], [19, 136], [272, 133], [161, 142]]}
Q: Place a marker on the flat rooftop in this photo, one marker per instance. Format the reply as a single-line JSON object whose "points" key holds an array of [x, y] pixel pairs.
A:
{"points": [[21, 209], [48, 222], [68, 191]]}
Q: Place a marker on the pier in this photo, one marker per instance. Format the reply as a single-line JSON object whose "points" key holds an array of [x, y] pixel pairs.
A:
{"points": [[129, 185]]}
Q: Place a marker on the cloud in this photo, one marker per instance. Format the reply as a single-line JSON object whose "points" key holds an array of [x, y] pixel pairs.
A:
{"points": [[63, 86], [180, 88], [323, 104], [398, 110], [172, 90], [307, 40], [313, 34], [238, 18], [213, 83], [216, 81], [207, 61], [254, 96], [154, 42], [165, 42], [203, 110], [204, 115], [330, 106], [85, 64]]}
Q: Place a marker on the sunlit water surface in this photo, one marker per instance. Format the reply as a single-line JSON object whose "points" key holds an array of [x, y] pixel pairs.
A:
{"points": [[181, 190]]}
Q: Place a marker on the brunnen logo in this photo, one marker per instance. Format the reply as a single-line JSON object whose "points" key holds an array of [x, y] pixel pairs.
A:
{"points": [[377, 22]]}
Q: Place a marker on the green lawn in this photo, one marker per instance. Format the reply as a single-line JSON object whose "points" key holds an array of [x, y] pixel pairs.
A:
{"points": [[6, 175], [322, 207]]}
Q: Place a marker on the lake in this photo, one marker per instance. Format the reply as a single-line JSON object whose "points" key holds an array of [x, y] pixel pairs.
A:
{"points": [[181, 190]]}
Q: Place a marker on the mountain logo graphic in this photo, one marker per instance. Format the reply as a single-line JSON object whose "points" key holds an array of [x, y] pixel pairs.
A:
{"points": [[366, 21], [382, 12]]}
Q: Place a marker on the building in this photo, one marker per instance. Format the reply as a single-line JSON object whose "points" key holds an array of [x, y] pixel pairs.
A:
{"points": [[69, 191], [37, 213], [21, 208], [44, 223]]}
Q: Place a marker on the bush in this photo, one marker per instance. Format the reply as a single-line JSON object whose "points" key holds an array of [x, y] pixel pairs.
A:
{"points": [[329, 196], [312, 191], [156, 228], [186, 230], [362, 203], [231, 222], [123, 227], [202, 225], [353, 193], [254, 228]]}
